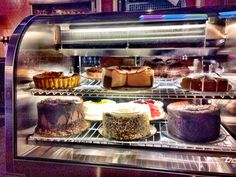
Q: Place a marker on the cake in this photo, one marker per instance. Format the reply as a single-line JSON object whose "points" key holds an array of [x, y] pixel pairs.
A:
{"points": [[60, 117], [156, 108], [171, 68], [230, 107], [128, 76], [140, 77], [94, 110], [126, 121], [94, 73], [107, 61], [205, 83], [193, 123], [56, 80]]}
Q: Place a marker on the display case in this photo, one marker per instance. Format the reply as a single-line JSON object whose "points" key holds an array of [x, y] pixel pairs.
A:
{"points": [[127, 42]]}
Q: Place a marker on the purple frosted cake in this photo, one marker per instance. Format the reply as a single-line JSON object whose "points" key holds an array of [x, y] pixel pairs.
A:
{"points": [[60, 117], [193, 123]]}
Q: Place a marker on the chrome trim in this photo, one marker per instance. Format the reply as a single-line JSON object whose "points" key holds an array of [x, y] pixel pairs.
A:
{"points": [[34, 2], [9, 90]]}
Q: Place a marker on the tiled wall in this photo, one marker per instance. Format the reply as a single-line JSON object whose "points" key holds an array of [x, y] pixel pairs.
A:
{"points": [[12, 12]]}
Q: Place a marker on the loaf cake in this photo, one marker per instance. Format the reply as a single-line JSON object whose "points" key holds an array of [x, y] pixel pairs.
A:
{"points": [[205, 83], [193, 123], [60, 117], [56, 80], [128, 76], [127, 121]]}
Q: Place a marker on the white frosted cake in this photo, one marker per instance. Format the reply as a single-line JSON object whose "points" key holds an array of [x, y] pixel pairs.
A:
{"points": [[127, 121], [93, 110]]}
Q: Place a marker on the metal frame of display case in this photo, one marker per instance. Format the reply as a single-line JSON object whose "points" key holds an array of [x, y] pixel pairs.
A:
{"points": [[45, 5]]}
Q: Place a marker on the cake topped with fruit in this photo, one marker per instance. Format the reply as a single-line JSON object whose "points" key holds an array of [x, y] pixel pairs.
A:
{"points": [[156, 108]]}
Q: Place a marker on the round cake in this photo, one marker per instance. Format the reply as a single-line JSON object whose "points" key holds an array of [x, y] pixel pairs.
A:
{"points": [[156, 108], [94, 73], [60, 117], [126, 121], [56, 80], [94, 110], [193, 123]]}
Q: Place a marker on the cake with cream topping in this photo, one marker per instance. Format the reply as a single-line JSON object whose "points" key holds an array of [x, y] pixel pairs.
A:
{"points": [[93, 110], [156, 108]]}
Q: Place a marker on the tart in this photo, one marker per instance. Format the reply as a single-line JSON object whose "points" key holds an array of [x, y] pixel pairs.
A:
{"points": [[56, 80]]}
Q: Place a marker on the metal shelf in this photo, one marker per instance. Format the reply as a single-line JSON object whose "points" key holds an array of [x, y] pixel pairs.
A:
{"points": [[160, 139], [137, 51], [162, 90]]}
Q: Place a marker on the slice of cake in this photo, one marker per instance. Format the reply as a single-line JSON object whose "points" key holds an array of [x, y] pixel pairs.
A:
{"points": [[205, 83], [113, 77], [140, 77]]}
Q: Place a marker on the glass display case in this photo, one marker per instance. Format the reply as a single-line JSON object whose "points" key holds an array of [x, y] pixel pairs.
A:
{"points": [[58, 123]]}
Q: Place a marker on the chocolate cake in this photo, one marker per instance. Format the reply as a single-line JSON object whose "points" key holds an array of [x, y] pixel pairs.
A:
{"points": [[193, 123], [60, 117], [171, 68]]}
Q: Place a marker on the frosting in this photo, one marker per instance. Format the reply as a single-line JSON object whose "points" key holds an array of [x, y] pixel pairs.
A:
{"points": [[130, 109], [154, 106], [94, 110]]}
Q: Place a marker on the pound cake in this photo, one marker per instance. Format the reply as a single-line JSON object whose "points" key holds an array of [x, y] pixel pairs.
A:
{"points": [[60, 117], [205, 83], [126, 121], [127, 76], [193, 123]]}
